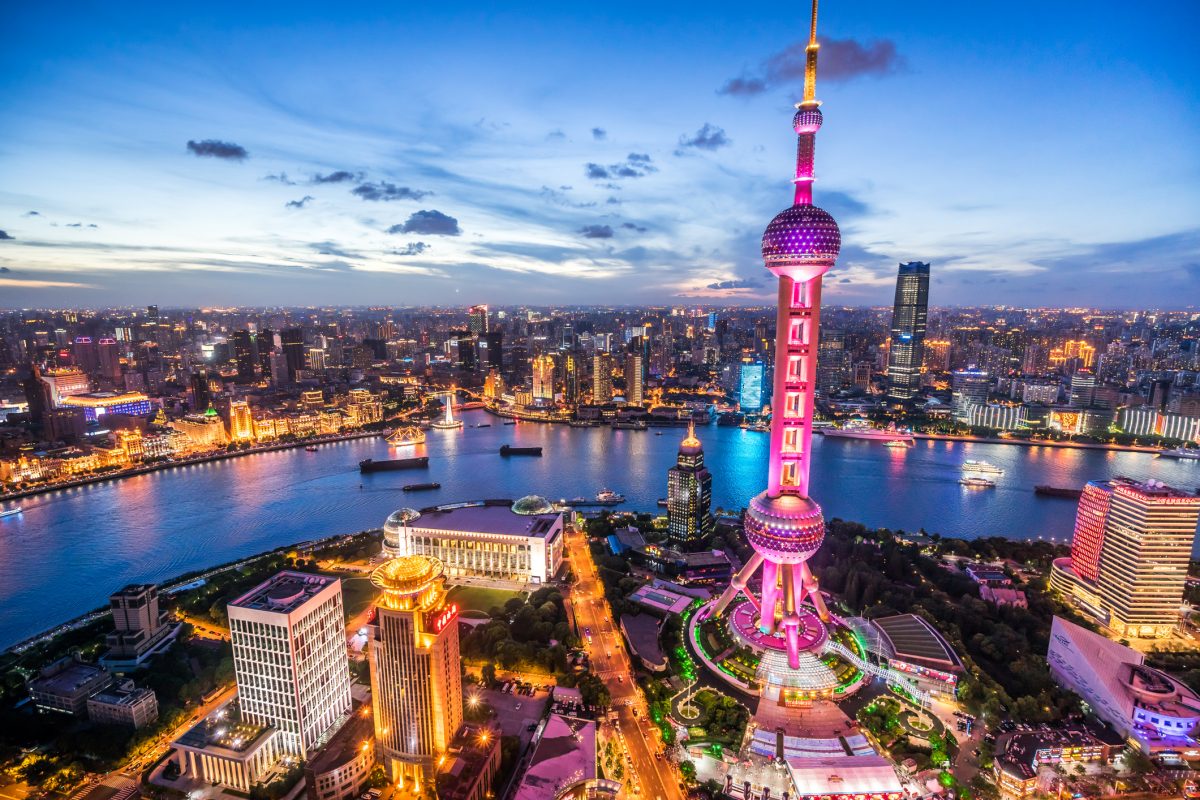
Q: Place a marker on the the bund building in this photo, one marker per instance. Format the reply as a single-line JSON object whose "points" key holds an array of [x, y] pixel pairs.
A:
{"points": [[1129, 555], [416, 680], [689, 496]]}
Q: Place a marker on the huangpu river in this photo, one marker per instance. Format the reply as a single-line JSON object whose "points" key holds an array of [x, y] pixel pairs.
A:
{"points": [[71, 548]]}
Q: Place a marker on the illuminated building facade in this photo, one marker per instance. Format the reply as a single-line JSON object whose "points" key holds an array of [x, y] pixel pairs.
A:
{"points": [[968, 387], [689, 496], [416, 681], [784, 524], [602, 374], [750, 386], [543, 380], [477, 323], [289, 656], [96, 404], [1129, 556], [241, 421], [635, 379], [203, 431], [909, 318]]}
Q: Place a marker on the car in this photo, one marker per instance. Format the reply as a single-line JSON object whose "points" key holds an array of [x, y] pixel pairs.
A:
{"points": [[517, 707]]}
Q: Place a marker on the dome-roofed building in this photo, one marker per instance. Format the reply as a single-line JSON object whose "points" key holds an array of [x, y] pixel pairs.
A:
{"points": [[531, 505], [395, 532]]}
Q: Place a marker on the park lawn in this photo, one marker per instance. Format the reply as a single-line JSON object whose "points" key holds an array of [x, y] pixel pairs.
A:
{"points": [[479, 598], [357, 594]]}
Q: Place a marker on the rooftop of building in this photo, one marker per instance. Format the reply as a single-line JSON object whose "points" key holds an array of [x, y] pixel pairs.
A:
{"points": [[224, 729], [134, 590], [661, 599], [473, 746], [283, 592], [67, 676], [566, 753], [912, 637], [1150, 489], [123, 694], [103, 398], [844, 776], [356, 733], [481, 518], [642, 631], [1016, 754]]}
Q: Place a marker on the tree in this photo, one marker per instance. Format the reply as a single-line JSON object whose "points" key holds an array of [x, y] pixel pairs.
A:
{"points": [[489, 674], [688, 770]]}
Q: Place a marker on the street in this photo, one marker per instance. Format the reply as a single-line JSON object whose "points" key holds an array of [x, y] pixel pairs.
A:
{"points": [[658, 778]]}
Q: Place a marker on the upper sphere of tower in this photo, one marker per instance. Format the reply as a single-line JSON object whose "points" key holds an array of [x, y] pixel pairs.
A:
{"points": [[807, 120], [802, 242]]}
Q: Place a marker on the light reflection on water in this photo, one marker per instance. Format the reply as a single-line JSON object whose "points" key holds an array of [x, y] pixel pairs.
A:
{"points": [[71, 548]]}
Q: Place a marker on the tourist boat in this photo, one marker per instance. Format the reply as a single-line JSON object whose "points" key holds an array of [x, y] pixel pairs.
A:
{"points": [[509, 450], [861, 429], [8, 512], [1182, 453], [658, 433], [1058, 491], [971, 465], [977, 483], [607, 497], [312, 448], [900, 443], [420, 487], [406, 436]]}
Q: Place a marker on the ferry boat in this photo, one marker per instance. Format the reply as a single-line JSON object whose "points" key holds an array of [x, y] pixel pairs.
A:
{"points": [[607, 497], [899, 443], [8, 512], [977, 483], [662, 501], [1182, 453], [861, 429], [312, 448], [971, 465]]}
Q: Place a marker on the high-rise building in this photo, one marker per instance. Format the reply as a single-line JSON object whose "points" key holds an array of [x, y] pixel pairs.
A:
{"points": [[689, 496], [465, 343], [602, 371], [571, 378], [266, 346], [109, 356], [543, 380], [635, 379], [292, 344], [243, 355], [416, 681], [968, 387], [139, 626], [289, 656], [495, 348], [909, 317], [1129, 555], [83, 354], [750, 386], [478, 321], [1083, 389], [201, 390]]}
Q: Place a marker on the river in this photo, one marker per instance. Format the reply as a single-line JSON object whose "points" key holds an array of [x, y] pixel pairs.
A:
{"points": [[71, 548]]}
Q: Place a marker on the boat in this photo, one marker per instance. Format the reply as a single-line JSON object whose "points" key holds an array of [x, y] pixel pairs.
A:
{"points": [[662, 501], [977, 483], [405, 436], [484, 425], [859, 428], [658, 433], [8, 512], [608, 497], [1182, 453], [971, 465], [509, 450], [511, 422], [371, 465], [420, 487], [1058, 491], [583, 423], [629, 426], [900, 443], [312, 448]]}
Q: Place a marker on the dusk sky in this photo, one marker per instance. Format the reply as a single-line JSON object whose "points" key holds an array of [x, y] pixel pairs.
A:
{"points": [[1036, 153]]}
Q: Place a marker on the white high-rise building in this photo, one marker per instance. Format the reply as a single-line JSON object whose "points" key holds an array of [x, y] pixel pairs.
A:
{"points": [[289, 655]]}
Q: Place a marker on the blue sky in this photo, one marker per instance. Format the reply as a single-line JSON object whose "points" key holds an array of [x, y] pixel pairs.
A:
{"points": [[1036, 154]]}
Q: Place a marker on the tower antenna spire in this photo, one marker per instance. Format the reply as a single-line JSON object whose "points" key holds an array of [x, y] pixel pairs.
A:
{"points": [[810, 62]]}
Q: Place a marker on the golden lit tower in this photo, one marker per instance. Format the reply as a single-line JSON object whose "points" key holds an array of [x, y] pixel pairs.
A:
{"points": [[416, 681]]}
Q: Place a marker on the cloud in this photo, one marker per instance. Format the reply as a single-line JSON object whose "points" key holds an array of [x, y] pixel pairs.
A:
{"points": [[5, 235], [412, 249], [81, 225], [633, 227], [328, 248], [741, 283], [31, 214], [841, 60], [635, 165], [215, 148], [5, 269], [599, 134], [559, 197], [341, 176], [301, 203], [279, 177], [17, 283], [709, 137], [385, 192], [556, 135], [596, 232], [430, 223]]}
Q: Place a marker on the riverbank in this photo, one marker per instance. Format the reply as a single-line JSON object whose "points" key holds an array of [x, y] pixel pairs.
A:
{"points": [[146, 469], [1123, 448]]}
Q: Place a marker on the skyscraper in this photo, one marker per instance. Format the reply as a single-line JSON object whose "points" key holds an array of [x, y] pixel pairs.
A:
{"points": [[602, 369], [416, 683], [543, 379], [909, 316], [968, 388], [783, 524], [243, 355], [266, 346], [477, 321], [750, 386], [1129, 555], [110, 359], [292, 344], [495, 348], [289, 656], [689, 496], [635, 379], [201, 391]]}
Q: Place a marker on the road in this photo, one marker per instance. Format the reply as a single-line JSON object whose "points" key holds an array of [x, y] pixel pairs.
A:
{"points": [[659, 778]]}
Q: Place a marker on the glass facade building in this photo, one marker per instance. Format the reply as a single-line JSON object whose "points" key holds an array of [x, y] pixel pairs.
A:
{"points": [[909, 318]]}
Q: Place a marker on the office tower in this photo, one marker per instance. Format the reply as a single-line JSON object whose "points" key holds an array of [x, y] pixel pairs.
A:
{"points": [[543, 380], [495, 349], [635, 379], [909, 317], [110, 359], [937, 356], [783, 524], [968, 387], [241, 422], [571, 378], [266, 346], [833, 362], [750, 386], [1083, 389], [1129, 555], [465, 343], [292, 344], [152, 312], [316, 359], [243, 355], [602, 370], [138, 626], [477, 322], [568, 337], [289, 656], [201, 390], [83, 354], [416, 682], [689, 496]]}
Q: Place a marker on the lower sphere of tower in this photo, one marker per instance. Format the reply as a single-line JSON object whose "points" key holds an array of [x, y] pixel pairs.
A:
{"points": [[807, 120], [787, 529]]}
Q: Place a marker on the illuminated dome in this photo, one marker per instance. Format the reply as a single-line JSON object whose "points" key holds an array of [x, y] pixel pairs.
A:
{"points": [[407, 575], [395, 531], [807, 120], [801, 242], [531, 505], [690, 446], [787, 529], [403, 516]]}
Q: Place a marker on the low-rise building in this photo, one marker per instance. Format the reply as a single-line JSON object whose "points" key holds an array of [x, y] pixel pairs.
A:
{"points": [[917, 649], [123, 704], [66, 686], [471, 764], [224, 749], [641, 634], [340, 769], [1019, 755]]}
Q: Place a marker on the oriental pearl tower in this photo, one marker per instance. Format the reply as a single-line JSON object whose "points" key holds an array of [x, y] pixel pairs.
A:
{"points": [[784, 524]]}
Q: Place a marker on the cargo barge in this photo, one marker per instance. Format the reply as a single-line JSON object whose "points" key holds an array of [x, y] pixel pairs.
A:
{"points": [[371, 465], [509, 450]]}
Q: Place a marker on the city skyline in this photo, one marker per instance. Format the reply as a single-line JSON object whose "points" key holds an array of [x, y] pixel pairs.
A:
{"points": [[466, 157]]}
